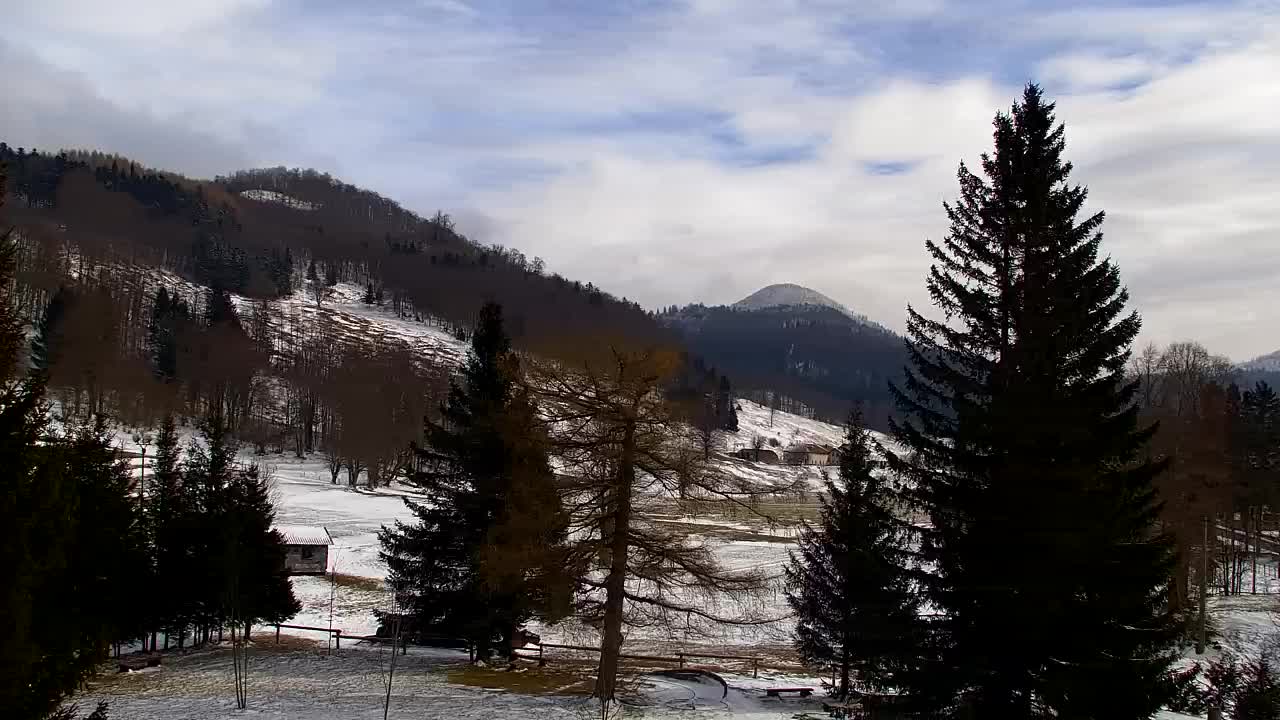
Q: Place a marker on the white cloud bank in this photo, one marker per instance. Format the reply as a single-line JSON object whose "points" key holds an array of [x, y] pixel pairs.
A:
{"points": [[641, 132]]}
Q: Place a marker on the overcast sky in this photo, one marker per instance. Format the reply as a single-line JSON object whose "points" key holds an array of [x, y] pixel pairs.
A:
{"points": [[697, 150]]}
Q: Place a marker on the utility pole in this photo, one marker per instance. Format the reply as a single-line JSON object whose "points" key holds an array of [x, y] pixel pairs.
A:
{"points": [[142, 473], [1201, 640]]}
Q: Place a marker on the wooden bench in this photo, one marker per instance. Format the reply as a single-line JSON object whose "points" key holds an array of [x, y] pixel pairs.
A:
{"points": [[776, 692]]}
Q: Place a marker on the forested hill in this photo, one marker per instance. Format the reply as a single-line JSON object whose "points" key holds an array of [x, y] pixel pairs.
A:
{"points": [[818, 360], [254, 232]]}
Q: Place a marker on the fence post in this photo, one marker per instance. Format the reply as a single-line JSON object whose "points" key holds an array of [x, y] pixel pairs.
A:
{"points": [[541, 660], [755, 667], [337, 640], [277, 634], [680, 657]]}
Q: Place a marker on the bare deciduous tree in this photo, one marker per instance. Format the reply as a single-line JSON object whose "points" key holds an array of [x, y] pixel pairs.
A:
{"points": [[626, 451]]}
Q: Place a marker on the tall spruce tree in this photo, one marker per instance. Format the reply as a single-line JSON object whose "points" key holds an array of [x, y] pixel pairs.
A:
{"points": [[1023, 447], [486, 552], [256, 587], [169, 517], [170, 317], [47, 344], [848, 582]]}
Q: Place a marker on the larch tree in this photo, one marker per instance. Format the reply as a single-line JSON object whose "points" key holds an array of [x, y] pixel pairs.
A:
{"points": [[626, 451], [849, 582], [1023, 447]]}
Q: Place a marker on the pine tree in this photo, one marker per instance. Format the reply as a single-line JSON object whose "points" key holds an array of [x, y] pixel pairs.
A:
{"points": [[46, 345], [331, 274], [109, 567], [369, 297], [257, 588], [485, 552], [312, 275], [170, 317], [169, 517], [848, 583], [219, 309], [1023, 447], [726, 408]]}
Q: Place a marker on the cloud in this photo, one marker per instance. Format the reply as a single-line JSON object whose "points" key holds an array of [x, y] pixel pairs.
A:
{"points": [[695, 150], [50, 109]]}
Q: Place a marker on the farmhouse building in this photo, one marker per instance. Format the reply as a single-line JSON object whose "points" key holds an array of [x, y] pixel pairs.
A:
{"points": [[808, 454], [763, 455]]}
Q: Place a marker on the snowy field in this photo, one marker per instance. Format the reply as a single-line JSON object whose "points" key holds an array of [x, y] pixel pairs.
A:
{"points": [[309, 684]]}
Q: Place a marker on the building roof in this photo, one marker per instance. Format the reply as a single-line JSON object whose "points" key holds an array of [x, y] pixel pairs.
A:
{"points": [[303, 534], [811, 448]]}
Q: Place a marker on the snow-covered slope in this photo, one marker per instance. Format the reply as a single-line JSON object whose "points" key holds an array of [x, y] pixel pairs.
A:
{"points": [[785, 294], [272, 196]]}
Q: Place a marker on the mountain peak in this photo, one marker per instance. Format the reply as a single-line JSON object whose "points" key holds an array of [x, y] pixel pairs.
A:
{"points": [[784, 294]]}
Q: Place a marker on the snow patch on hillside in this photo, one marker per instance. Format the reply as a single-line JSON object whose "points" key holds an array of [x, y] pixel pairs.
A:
{"points": [[272, 196]]}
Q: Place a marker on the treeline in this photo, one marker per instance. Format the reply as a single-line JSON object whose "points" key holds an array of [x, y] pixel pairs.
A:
{"points": [[215, 561], [93, 557], [1222, 444]]}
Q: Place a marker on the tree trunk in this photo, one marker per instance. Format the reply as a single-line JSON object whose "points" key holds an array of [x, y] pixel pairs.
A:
{"points": [[615, 583], [844, 670]]}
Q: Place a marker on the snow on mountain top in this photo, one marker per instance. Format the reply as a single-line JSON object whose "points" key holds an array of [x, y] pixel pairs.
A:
{"points": [[784, 294]]}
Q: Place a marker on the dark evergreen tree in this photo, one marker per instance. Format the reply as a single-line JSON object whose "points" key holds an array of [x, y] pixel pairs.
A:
{"points": [[331, 274], [726, 408], [1256, 446], [312, 275], [256, 587], [46, 345], [170, 517], [108, 569], [218, 309], [169, 320], [1021, 443], [485, 553], [369, 297], [848, 583]]}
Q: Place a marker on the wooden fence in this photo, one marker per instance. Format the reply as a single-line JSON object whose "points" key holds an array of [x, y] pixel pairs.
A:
{"points": [[678, 659]]}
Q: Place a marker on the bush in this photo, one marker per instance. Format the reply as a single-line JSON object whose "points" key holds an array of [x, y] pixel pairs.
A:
{"points": [[1244, 689]]}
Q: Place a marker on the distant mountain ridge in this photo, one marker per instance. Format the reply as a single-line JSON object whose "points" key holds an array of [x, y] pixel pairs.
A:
{"points": [[1263, 363], [791, 341]]}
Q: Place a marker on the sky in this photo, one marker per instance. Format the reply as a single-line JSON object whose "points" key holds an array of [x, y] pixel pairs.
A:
{"points": [[696, 150]]}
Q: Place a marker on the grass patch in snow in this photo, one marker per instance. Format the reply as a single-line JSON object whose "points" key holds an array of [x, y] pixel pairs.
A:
{"points": [[357, 582], [563, 680]]}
